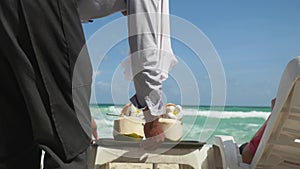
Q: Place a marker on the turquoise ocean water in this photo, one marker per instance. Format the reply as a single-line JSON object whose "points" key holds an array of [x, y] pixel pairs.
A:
{"points": [[199, 123]]}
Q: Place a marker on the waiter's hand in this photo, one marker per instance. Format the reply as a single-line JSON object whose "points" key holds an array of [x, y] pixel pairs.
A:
{"points": [[94, 129], [154, 135]]}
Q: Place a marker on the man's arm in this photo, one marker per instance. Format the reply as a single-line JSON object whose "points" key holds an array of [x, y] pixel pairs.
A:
{"points": [[151, 58]]}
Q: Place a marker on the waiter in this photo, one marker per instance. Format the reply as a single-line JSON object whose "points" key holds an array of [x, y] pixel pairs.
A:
{"points": [[151, 55], [44, 92]]}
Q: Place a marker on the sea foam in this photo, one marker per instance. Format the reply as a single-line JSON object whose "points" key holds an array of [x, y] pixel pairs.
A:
{"points": [[226, 114]]}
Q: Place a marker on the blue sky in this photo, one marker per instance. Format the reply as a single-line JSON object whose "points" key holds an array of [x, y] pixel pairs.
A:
{"points": [[254, 39]]}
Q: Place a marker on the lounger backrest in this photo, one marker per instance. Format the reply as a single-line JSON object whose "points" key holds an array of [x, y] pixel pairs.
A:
{"points": [[280, 147]]}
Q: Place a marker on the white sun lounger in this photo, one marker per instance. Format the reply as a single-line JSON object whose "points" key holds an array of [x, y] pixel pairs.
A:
{"points": [[279, 147], [185, 153]]}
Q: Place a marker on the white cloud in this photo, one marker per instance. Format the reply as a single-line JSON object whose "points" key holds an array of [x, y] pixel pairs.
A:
{"points": [[96, 73], [102, 84]]}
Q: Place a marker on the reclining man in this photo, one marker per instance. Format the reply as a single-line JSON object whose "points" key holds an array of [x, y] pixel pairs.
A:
{"points": [[248, 150]]}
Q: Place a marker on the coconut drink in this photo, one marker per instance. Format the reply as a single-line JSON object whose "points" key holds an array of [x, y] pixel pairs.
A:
{"points": [[130, 124], [171, 122]]}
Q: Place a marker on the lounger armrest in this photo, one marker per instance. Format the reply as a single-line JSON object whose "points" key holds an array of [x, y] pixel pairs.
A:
{"points": [[229, 152]]}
